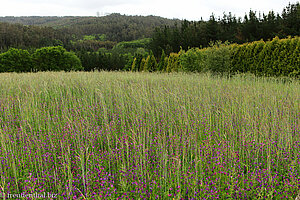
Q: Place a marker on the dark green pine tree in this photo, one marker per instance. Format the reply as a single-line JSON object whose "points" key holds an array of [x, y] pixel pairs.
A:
{"points": [[212, 29], [162, 62], [270, 25], [291, 20]]}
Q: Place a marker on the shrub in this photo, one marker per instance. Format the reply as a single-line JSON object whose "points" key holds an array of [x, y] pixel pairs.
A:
{"points": [[193, 60], [217, 58], [55, 59], [16, 60], [150, 63], [71, 62], [173, 63]]}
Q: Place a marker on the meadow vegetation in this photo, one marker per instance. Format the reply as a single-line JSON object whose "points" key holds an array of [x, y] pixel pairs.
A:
{"points": [[113, 135]]}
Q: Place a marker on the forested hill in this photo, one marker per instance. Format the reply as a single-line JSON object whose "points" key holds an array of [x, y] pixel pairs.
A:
{"points": [[116, 27]]}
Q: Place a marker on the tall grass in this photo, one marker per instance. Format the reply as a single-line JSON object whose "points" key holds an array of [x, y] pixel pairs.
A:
{"points": [[113, 135]]}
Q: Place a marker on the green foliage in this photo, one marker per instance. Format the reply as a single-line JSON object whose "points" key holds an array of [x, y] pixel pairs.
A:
{"points": [[146, 64], [193, 60], [134, 65], [142, 43], [42, 31], [99, 37], [162, 65], [133, 47], [44, 59], [253, 27], [91, 45], [139, 66], [279, 57], [217, 58], [15, 60], [89, 37], [173, 63], [104, 60], [129, 61], [142, 64], [55, 59], [150, 63], [141, 51], [71, 62]]}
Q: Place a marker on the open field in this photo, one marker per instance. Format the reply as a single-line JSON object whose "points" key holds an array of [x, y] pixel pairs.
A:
{"points": [[113, 135]]}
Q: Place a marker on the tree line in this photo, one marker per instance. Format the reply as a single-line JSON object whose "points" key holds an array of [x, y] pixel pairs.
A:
{"points": [[278, 57], [254, 26]]}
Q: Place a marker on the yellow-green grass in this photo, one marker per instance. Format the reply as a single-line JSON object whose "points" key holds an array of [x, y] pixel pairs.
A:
{"points": [[118, 135]]}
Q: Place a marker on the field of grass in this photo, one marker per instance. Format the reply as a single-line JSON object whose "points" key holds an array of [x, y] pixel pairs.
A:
{"points": [[113, 135]]}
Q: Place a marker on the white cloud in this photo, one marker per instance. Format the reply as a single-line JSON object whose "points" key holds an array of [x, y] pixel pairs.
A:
{"points": [[182, 9]]}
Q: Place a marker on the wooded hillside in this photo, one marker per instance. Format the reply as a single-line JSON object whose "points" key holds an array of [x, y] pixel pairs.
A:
{"points": [[117, 27]]}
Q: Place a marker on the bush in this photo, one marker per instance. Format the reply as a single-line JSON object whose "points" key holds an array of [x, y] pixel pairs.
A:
{"points": [[16, 60], [193, 60], [217, 58], [71, 62], [150, 63], [173, 63], [55, 59]]}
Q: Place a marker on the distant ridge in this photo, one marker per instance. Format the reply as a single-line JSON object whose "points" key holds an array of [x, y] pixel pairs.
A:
{"points": [[116, 26], [60, 21]]}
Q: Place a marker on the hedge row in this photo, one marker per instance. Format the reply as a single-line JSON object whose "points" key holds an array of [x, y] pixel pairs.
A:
{"points": [[44, 59], [279, 57]]}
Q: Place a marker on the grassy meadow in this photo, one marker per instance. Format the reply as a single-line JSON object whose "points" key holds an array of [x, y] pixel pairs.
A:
{"points": [[125, 135]]}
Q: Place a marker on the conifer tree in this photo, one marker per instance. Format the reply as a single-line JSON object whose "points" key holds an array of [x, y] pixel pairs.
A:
{"points": [[133, 66], [142, 64], [162, 63], [147, 64], [173, 62], [151, 63]]}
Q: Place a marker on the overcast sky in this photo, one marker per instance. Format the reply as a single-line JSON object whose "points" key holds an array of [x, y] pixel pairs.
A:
{"points": [[181, 9]]}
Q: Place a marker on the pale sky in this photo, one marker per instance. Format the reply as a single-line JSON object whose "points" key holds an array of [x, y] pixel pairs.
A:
{"points": [[184, 9]]}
